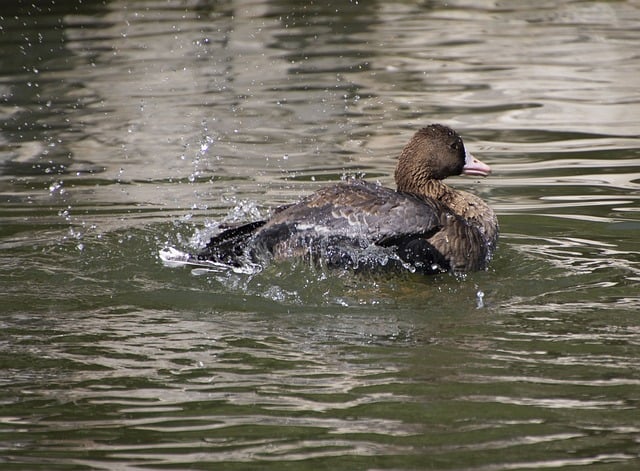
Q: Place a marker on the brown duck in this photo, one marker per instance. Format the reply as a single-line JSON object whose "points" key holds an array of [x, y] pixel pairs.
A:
{"points": [[423, 226]]}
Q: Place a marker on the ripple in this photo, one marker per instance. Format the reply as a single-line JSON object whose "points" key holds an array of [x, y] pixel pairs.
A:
{"points": [[126, 130]]}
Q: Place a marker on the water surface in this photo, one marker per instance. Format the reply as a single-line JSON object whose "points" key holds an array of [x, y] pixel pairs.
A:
{"points": [[128, 127]]}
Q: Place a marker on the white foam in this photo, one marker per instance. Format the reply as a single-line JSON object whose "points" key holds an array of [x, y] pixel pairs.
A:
{"points": [[174, 258]]}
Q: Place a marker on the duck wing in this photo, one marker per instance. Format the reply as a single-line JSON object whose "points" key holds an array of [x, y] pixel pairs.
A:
{"points": [[361, 209], [352, 215]]}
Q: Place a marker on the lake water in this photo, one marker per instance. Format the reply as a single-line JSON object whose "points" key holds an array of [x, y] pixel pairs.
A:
{"points": [[128, 127]]}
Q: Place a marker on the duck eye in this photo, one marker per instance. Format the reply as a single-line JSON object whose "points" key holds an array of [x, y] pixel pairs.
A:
{"points": [[455, 145]]}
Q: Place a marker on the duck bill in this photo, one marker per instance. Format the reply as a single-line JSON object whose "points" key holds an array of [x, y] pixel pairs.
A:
{"points": [[473, 166]]}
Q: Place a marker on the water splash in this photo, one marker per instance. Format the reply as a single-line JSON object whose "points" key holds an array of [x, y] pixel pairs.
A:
{"points": [[174, 258], [480, 299]]}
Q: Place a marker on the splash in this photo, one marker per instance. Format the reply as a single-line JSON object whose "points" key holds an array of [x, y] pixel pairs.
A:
{"points": [[174, 258]]}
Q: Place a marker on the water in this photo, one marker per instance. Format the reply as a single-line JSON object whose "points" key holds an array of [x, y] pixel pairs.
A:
{"points": [[128, 127]]}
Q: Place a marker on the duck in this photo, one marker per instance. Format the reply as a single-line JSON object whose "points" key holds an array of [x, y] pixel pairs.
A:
{"points": [[423, 225]]}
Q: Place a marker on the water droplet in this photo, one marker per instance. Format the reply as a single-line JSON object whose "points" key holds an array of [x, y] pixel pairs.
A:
{"points": [[55, 186]]}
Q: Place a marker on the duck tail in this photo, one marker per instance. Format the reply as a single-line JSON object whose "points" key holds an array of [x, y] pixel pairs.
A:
{"points": [[229, 247]]}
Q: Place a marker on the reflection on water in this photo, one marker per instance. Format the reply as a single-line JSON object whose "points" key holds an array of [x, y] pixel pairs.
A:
{"points": [[128, 127]]}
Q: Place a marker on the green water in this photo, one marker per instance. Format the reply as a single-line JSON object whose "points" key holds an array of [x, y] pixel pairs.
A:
{"points": [[128, 127]]}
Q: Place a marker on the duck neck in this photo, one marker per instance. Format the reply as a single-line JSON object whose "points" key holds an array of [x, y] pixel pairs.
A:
{"points": [[430, 188]]}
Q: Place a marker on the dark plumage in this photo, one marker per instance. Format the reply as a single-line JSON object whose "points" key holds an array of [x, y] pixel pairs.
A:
{"points": [[424, 225]]}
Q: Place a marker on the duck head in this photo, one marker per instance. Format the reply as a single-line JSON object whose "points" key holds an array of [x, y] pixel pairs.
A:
{"points": [[435, 153]]}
